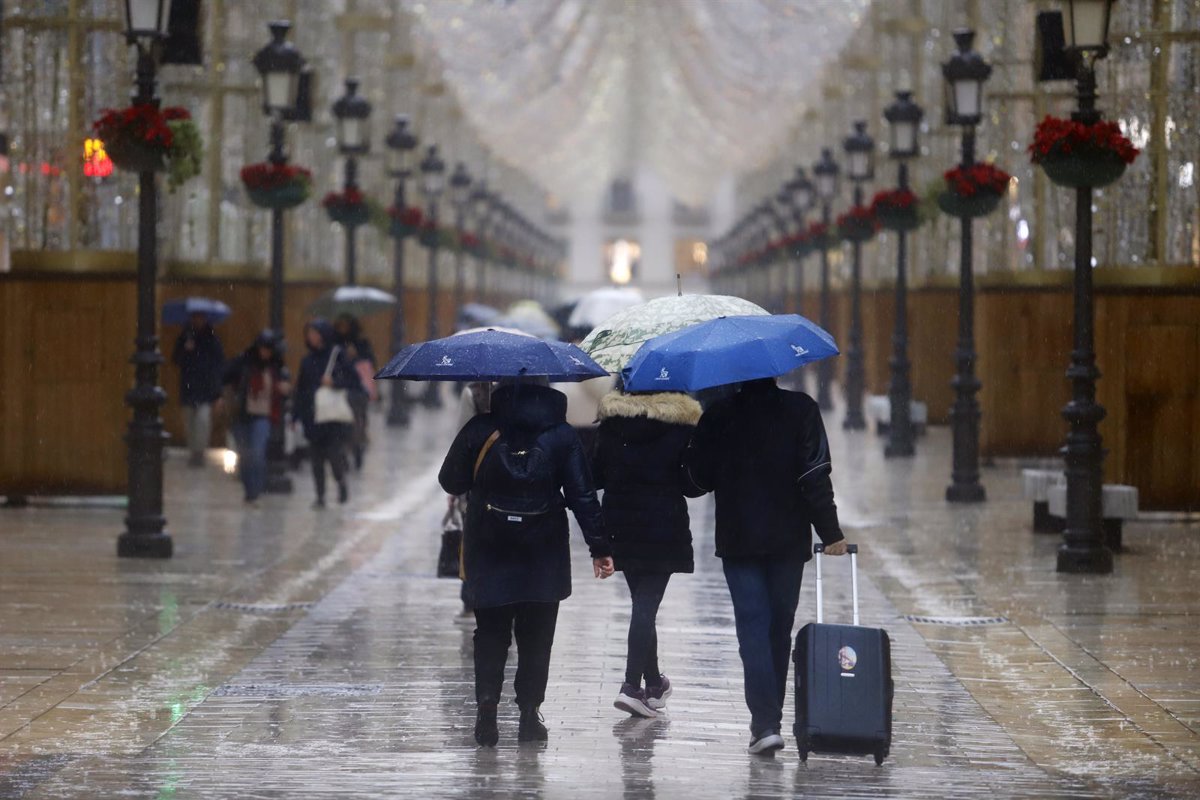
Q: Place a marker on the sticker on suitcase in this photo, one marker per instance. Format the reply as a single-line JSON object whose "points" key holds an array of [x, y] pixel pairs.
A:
{"points": [[847, 659]]}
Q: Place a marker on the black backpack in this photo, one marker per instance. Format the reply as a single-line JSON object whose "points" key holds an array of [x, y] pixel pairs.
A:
{"points": [[516, 483]]}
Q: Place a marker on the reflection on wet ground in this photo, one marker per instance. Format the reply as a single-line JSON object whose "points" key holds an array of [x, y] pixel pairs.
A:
{"points": [[290, 653]]}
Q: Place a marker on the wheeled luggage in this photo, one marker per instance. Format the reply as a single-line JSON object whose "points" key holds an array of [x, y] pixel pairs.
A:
{"points": [[843, 682]]}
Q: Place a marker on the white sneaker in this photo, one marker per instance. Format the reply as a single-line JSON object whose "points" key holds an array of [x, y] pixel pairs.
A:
{"points": [[633, 701], [766, 744]]}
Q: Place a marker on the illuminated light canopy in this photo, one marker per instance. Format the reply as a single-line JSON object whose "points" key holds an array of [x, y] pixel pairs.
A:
{"points": [[96, 163]]}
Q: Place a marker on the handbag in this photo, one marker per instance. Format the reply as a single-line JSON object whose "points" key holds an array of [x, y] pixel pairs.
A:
{"points": [[452, 536], [330, 404]]}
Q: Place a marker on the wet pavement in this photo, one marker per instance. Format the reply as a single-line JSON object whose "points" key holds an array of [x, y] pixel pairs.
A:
{"points": [[291, 653]]}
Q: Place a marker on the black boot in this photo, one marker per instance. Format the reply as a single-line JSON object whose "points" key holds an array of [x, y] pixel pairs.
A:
{"points": [[531, 728], [486, 732]]}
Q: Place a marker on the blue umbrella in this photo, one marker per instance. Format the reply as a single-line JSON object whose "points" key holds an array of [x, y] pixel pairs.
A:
{"points": [[177, 312], [491, 355], [727, 350]]}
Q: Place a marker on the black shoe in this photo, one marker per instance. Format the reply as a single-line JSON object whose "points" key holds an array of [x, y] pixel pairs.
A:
{"points": [[343, 493], [531, 728], [319, 502], [486, 732]]}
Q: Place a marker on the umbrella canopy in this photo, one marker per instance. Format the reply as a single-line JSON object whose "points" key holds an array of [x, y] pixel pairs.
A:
{"points": [[614, 342], [474, 315], [357, 301], [490, 355], [529, 316], [596, 307], [727, 350], [177, 312]]}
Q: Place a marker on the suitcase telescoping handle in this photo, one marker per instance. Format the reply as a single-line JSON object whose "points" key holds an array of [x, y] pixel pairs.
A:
{"points": [[852, 549]]}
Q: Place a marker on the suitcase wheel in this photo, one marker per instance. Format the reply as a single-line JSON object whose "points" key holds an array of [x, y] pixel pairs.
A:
{"points": [[879, 756], [803, 756]]}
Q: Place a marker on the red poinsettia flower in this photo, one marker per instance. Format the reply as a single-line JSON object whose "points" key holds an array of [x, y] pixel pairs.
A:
{"points": [[858, 216], [350, 197], [409, 216], [893, 200], [1055, 138], [976, 179], [266, 176]]}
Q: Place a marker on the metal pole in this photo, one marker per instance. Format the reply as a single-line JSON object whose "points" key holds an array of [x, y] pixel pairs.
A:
{"points": [[825, 367], [351, 229], [964, 415], [460, 277], [900, 434], [398, 416], [1083, 548], [278, 480], [854, 358], [144, 535], [433, 397]]}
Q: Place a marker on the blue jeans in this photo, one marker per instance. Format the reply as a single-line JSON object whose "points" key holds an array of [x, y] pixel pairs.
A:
{"points": [[765, 592], [251, 434]]}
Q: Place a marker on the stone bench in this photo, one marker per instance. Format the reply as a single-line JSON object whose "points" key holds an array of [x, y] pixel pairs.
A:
{"points": [[878, 407], [1118, 503], [1036, 485]]}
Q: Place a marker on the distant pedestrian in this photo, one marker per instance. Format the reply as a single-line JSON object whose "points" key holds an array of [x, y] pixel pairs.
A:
{"points": [[257, 383], [360, 353], [201, 360], [639, 465], [325, 365], [764, 453], [523, 466]]}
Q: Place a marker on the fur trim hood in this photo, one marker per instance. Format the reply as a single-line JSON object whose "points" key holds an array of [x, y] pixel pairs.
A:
{"points": [[673, 408]]}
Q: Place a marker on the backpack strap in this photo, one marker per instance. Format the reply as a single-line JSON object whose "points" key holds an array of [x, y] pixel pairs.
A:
{"points": [[483, 451]]}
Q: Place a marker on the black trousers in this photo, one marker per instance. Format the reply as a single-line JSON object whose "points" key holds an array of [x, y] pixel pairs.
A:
{"points": [[641, 661], [533, 624], [328, 444]]}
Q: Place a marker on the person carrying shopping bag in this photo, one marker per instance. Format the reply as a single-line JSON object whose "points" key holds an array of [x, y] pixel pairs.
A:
{"points": [[326, 380]]}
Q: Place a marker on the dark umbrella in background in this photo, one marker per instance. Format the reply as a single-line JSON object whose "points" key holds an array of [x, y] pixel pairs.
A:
{"points": [[177, 312]]}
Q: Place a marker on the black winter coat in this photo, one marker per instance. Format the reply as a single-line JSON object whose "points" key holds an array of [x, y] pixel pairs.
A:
{"points": [[538, 567], [764, 452], [312, 369], [639, 465], [201, 368]]}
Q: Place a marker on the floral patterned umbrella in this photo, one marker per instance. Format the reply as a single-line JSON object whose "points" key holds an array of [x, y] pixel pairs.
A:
{"points": [[619, 337]]}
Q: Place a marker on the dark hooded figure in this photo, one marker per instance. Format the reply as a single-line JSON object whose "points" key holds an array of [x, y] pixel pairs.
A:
{"points": [[639, 465], [258, 384], [328, 366], [763, 452], [200, 358], [523, 466], [348, 334]]}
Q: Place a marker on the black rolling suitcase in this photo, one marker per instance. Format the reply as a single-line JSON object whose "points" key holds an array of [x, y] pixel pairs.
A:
{"points": [[843, 683]]}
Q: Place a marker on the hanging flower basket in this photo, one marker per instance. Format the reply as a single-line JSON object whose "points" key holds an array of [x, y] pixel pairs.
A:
{"points": [[857, 225], [1079, 155], [469, 243], [276, 186], [819, 237], [896, 210], [404, 222], [347, 208], [972, 192], [146, 138], [428, 236]]}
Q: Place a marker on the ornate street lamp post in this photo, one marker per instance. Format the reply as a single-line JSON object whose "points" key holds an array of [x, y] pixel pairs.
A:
{"points": [[904, 116], [483, 208], [401, 144], [351, 112], [460, 198], [825, 172], [433, 181], [965, 73], [860, 167], [1084, 549], [144, 535], [279, 64]]}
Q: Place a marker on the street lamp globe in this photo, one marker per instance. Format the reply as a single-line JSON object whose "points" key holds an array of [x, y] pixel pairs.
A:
{"points": [[433, 174], [826, 173], [860, 154], [351, 111], [965, 73], [803, 192], [460, 186], [904, 116], [1085, 25], [146, 20], [401, 144], [279, 64]]}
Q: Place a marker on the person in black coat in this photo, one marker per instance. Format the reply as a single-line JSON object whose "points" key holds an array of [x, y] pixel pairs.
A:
{"points": [[327, 440], [639, 465], [517, 563], [201, 361], [349, 336], [764, 453]]}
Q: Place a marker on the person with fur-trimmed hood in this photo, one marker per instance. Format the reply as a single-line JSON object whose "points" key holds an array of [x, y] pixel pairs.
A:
{"points": [[639, 464]]}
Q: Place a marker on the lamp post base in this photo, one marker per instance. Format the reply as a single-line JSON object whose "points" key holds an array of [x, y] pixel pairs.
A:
{"points": [[432, 398], [965, 493], [278, 480], [854, 422], [398, 415], [1085, 560], [899, 450], [155, 545]]}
